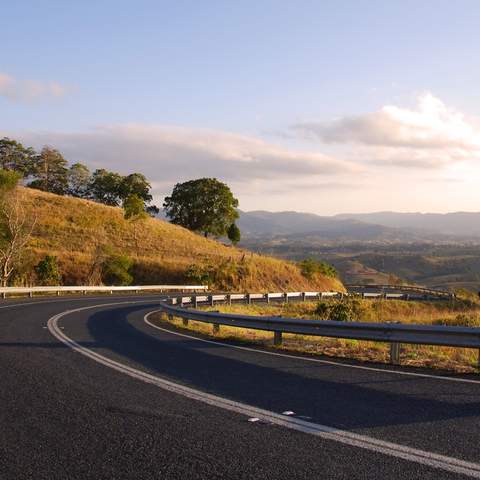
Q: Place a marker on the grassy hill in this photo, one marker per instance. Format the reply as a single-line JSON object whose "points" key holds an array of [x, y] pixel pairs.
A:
{"points": [[77, 230]]}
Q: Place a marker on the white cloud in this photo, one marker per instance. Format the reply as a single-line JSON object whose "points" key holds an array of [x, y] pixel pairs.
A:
{"points": [[168, 154], [26, 90], [430, 135]]}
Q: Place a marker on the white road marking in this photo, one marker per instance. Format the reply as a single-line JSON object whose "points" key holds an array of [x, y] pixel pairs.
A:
{"points": [[288, 412], [309, 359], [429, 459]]}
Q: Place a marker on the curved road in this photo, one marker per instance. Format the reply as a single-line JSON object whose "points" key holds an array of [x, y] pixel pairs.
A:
{"points": [[90, 388]]}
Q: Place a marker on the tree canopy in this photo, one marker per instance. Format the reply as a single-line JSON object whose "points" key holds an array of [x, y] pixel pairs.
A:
{"points": [[49, 171], [203, 205], [233, 233], [14, 156]]}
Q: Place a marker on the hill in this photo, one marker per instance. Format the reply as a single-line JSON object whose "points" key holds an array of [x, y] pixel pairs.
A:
{"points": [[76, 231]]}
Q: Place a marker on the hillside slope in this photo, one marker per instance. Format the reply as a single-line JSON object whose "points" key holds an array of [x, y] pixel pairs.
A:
{"points": [[76, 230]]}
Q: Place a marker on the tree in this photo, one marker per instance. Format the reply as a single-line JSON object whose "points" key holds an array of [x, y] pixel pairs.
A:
{"points": [[134, 212], [233, 233], [204, 205], [47, 271], [134, 208], [137, 184], [15, 226], [116, 270], [79, 178], [105, 187], [51, 172], [311, 267], [14, 156]]}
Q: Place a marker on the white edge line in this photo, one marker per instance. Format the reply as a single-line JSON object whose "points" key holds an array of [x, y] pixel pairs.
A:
{"points": [[329, 433], [307, 359]]}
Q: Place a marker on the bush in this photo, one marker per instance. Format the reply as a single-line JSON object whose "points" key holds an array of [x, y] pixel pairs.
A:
{"points": [[47, 271], [116, 270], [346, 311], [311, 267]]}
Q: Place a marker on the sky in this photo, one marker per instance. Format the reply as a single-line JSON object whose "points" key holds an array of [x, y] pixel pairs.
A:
{"points": [[316, 106]]}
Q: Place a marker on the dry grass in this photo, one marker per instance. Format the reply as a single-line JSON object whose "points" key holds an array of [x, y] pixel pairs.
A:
{"points": [[462, 360], [72, 229]]}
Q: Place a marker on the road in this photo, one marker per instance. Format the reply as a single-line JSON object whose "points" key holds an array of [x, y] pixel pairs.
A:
{"points": [[98, 392]]}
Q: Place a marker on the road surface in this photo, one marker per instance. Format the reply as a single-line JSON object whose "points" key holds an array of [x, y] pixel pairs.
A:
{"points": [[91, 388]]}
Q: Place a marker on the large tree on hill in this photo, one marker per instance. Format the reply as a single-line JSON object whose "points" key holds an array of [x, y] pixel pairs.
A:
{"points": [[105, 187], [203, 205], [14, 156], [51, 172], [79, 178], [137, 185]]}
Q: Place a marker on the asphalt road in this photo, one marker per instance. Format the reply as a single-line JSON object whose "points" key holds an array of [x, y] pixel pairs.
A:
{"points": [[119, 398]]}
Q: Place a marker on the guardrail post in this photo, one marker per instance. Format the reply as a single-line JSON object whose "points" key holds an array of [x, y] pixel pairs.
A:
{"points": [[215, 328], [195, 302], [277, 338], [285, 297], [170, 317], [249, 299], [210, 298], [30, 294], [4, 295], [229, 299], [395, 353], [58, 293], [267, 298], [304, 296], [185, 322]]}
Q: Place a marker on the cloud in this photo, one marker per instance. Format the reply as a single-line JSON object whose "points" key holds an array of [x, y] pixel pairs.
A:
{"points": [[167, 154], [27, 90], [429, 136]]}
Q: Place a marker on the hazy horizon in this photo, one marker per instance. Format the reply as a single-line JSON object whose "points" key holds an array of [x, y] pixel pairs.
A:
{"points": [[320, 107]]}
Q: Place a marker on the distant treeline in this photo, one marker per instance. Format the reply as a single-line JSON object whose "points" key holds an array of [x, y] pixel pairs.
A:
{"points": [[49, 171]]}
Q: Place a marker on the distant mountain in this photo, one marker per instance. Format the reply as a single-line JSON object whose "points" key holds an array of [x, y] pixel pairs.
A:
{"points": [[267, 225], [464, 224]]}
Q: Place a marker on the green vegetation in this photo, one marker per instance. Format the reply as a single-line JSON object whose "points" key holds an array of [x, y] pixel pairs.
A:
{"points": [[203, 205], [311, 267], [47, 271], [341, 311], [233, 233], [116, 270]]}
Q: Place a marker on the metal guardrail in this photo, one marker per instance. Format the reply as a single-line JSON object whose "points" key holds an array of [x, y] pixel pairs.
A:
{"points": [[4, 291], [406, 291], [393, 333]]}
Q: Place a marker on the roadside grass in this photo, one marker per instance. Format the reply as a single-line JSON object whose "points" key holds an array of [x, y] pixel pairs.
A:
{"points": [[459, 360], [74, 229]]}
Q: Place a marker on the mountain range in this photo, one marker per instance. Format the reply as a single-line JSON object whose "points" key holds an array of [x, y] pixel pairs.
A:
{"points": [[378, 226]]}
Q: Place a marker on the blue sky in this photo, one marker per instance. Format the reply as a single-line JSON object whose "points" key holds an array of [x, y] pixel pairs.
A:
{"points": [[321, 106]]}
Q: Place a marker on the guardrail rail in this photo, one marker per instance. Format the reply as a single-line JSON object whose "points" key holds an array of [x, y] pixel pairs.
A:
{"points": [[58, 290], [393, 333]]}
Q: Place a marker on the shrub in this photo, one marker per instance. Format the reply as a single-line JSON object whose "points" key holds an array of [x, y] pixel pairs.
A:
{"points": [[311, 267], [341, 311], [47, 271], [116, 270]]}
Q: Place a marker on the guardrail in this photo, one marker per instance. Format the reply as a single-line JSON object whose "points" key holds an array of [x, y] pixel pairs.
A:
{"points": [[30, 291], [406, 291], [393, 333]]}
